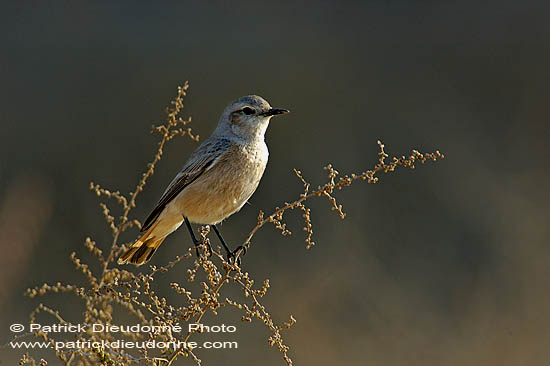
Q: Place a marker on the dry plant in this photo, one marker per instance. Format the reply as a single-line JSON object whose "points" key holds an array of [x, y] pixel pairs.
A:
{"points": [[114, 289]]}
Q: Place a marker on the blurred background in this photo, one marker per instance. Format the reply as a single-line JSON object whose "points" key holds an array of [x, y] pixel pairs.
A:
{"points": [[444, 265]]}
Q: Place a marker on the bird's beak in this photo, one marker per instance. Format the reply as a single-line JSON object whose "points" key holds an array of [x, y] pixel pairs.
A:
{"points": [[275, 111]]}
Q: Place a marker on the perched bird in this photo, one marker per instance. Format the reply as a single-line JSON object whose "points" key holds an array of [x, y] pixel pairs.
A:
{"points": [[215, 182]]}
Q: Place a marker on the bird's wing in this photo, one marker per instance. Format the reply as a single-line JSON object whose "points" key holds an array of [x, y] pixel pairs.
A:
{"points": [[203, 159]]}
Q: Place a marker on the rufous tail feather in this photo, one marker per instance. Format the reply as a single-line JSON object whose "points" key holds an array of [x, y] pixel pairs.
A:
{"points": [[142, 250]]}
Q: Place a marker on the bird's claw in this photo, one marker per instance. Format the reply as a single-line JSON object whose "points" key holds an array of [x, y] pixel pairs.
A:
{"points": [[231, 256], [208, 249]]}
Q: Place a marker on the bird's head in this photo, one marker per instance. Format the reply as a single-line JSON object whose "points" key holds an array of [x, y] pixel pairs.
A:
{"points": [[248, 117]]}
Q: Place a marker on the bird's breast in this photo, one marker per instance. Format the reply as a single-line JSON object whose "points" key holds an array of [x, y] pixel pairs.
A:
{"points": [[224, 188]]}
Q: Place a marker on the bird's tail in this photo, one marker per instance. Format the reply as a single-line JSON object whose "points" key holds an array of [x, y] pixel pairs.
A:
{"points": [[142, 250]]}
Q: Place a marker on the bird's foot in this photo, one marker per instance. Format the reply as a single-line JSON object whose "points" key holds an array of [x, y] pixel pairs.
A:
{"points": [[235, 256], [208, 250]]}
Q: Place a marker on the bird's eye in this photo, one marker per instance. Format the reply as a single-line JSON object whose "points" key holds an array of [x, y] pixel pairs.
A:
{"points": [[248, 111]]}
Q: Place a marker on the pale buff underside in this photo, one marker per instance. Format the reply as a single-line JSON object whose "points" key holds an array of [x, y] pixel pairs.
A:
{"points": [[218, 193]]}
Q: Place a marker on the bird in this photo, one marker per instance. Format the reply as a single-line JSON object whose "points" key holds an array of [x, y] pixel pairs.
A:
{"points": [[216, 181]]}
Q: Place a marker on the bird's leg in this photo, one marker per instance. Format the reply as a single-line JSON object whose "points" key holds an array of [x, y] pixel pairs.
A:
{"points": [[230, 254], [223, 241], [195, 241]]}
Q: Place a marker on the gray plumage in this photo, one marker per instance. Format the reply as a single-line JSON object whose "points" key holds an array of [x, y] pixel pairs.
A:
{"points": [[217, 179]]}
